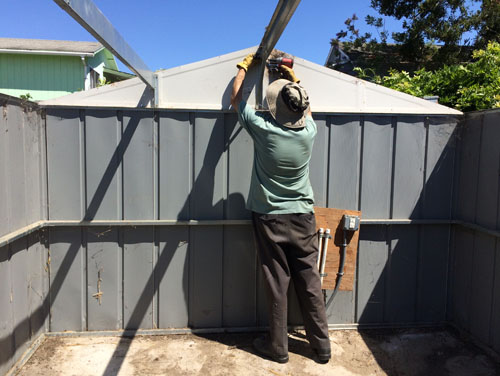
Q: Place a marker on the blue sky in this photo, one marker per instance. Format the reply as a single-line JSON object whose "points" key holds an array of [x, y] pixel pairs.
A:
{"points": [[172, 33]]}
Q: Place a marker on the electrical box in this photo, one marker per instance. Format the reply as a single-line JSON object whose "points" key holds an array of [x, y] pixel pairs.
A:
{"points": [[351, 223]]}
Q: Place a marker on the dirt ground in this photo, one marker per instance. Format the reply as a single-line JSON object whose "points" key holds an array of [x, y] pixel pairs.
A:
{"points": [[374, 352]]}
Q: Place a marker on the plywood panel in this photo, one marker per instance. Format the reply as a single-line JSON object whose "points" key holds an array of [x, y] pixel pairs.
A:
{"points": [[104, 279], [483, 267], [137, 145], [138, 278], [373, 256], [175, 165], [332, 219], [239, 295], [343, 184], [67, 276], [441, 147], [240, 159], [102, 164], [172, 276], [341, 308], [205, 288], [409, 167], [377, 167], [63, 160], [402, 274], [209, 187], [318, 165]]}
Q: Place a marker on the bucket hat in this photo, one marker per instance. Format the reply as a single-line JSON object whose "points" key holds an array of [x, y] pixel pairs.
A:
{"points": [[288, 103]]}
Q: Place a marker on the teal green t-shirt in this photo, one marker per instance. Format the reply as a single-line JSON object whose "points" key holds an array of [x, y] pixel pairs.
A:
{"points": [[280, 175]]}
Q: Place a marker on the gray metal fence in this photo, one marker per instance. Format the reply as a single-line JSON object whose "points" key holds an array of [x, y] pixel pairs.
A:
{"points": [[475, 280], [146, 227]]}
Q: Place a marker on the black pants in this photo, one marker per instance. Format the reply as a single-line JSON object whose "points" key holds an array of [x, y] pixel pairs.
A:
{"points": [[287, 246]]}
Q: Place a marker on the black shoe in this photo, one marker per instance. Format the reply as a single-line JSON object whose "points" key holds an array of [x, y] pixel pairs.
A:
{"points": [[263, 347], [323, 355]]}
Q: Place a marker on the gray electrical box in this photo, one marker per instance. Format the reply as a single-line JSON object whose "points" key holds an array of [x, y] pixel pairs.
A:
{"points": [[351, 223]]}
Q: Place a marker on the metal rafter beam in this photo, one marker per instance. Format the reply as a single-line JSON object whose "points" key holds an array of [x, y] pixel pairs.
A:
{"points": [[87, 14], [282, 14]]}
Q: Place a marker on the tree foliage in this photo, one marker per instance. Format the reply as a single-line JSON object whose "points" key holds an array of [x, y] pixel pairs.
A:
{"points": [[434, 32], [467, 87]]}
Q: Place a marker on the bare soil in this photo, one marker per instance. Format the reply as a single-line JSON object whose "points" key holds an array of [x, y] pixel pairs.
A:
{"points": [[374, 352]]}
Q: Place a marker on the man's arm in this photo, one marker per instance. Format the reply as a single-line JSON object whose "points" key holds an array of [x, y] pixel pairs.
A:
{"points": [[237, 94]]}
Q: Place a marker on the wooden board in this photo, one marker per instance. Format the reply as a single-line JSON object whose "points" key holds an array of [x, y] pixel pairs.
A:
{"points": [[332, 218]]}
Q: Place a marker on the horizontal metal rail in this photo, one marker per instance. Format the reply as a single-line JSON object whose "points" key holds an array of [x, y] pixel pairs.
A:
{"points": [[9, 238]]}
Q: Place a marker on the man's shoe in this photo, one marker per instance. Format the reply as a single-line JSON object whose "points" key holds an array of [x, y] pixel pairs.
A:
{"points": [[323, 355], [263, 347]]}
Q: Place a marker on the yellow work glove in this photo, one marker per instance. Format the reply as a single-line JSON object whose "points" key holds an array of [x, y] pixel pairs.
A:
{"points": [[247, 61], [289, 74]]}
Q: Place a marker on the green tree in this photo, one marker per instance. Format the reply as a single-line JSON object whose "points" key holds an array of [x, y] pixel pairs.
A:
{"points": [[467, 87], [427, 24]]}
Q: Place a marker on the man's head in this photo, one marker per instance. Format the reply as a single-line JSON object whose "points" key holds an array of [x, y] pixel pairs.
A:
{"points": [[288, 103]]}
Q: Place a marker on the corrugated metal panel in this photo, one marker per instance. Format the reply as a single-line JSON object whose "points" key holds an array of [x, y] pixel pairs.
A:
{"points": [[210, 167], [469, 163], [433, 273], [138, 278], [495, 312], [67, 280], [104, 278], [239, 168], [482, 266], [376, 172], [401, 273], [16, 188], [318, 165], [372, 260], [6, 313], [175, 169], [102, 137], [441, 145], [489, 168], [4, 175], [205, 287], [409, 162], [20, 295], [172, 277], [64, 145], [137, 147], [239, 277]]}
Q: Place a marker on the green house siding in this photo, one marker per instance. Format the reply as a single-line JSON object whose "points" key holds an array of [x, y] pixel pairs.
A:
{"points": [[42, 76]]}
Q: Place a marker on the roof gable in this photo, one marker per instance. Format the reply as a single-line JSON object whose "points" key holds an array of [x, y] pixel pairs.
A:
{"points": [[207, 85]]}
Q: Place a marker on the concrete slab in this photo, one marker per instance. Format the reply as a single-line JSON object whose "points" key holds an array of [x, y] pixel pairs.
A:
{"points": [[375, 352]]}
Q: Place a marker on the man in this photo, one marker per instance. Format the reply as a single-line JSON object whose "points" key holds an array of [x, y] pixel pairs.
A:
{"points": [[281, 201]]}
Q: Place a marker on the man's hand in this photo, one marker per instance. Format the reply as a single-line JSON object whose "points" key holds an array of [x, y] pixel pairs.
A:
{"points": [[247, 61], [289, 74]]}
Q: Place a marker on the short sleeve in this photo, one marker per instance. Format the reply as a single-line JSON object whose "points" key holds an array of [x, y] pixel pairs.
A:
{"points": [[248, 118], [311, 124]]}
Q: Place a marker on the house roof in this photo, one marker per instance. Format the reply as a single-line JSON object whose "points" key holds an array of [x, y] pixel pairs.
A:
{"points": [[207, 85], [52, 47]]}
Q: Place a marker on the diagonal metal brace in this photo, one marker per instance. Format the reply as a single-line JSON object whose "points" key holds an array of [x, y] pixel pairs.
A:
{"points": [[87, 14], [282, 15]]}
